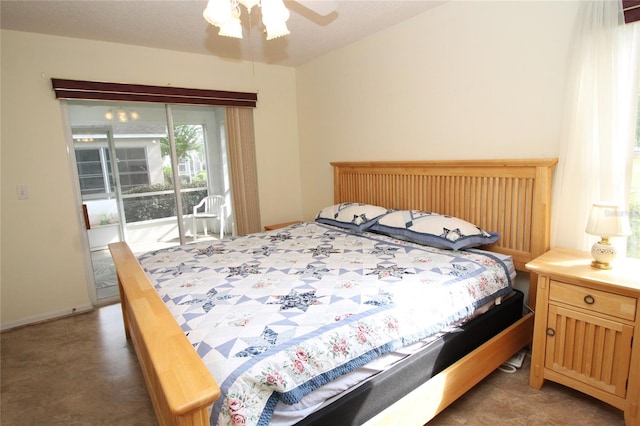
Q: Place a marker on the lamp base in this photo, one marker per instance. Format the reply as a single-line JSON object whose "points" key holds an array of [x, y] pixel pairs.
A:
{"points": [[603, 254], [600, 265]]}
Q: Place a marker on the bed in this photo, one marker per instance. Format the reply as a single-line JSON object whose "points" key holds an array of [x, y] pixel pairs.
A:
{"points": [[510, 197]]}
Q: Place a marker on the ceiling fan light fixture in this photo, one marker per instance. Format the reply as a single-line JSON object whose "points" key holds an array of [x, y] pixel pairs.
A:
{"points": [[225, 14], [274, 17], [249, 4], [277, 30], [232, 28], [218, 12]]}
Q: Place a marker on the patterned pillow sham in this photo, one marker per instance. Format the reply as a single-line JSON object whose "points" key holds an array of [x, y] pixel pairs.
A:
{"points": [[354, 216], [433, 229]]}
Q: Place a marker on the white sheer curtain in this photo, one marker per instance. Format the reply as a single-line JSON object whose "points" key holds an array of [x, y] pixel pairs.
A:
{"points": [[596, 146]]}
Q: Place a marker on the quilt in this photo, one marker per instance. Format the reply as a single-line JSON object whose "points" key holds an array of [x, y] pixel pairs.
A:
{"points": [[278, 314]]}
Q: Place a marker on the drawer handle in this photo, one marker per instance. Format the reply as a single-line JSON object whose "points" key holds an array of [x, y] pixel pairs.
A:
{"points": [[589, 300], [551, 332]]}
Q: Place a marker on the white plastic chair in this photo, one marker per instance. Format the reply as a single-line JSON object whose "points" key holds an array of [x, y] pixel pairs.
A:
{"points": [[214, 206]]}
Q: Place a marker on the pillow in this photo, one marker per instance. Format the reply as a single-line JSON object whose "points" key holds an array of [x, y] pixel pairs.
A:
{"points": [[432, 229], [354, 216]]}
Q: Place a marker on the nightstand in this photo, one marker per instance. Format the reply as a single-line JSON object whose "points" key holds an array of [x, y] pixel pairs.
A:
{"points": [[280, 225], [587, 328]]}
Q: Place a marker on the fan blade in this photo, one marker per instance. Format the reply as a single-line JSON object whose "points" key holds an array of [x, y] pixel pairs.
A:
{"points": [[321, 7], [320, 12]]}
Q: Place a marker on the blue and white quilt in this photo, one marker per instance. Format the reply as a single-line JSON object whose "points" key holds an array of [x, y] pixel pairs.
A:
{"points": [[275, 315]]}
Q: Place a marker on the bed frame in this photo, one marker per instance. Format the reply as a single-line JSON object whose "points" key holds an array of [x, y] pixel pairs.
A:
{"points": [[511, 197]]}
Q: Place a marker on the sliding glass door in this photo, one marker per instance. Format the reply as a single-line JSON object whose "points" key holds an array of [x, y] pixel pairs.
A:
{"points": [[141, 168]]}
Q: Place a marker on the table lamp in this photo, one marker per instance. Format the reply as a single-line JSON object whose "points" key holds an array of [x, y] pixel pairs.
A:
{"points": [[606, 220]]}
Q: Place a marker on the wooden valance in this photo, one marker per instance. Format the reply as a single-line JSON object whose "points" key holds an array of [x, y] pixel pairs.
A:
{"points": [[631, 10], [92, 90]]}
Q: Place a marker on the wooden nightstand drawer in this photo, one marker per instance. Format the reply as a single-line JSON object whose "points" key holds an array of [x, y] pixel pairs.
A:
{"points": [[594, 300]]}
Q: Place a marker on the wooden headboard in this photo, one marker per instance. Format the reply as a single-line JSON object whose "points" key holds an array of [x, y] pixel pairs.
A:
{"points": [[511, 197]]}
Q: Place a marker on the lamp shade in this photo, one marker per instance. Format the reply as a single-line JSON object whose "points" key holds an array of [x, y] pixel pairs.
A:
{"points": [[274, 17], [231, 28], [218, 12], [608, 220]]}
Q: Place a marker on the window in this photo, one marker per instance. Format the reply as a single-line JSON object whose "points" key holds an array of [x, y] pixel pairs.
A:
{"points": [[95, 174], [133, 167], [92, 164]]}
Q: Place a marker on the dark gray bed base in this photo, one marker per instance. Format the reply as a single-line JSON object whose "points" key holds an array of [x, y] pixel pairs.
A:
{"points": [[372, 397]]}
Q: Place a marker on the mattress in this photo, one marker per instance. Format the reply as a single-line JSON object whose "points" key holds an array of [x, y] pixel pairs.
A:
{"points": [[363, 401], [277, 315]]}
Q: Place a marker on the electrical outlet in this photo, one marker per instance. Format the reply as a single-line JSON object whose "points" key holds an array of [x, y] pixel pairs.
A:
{"points": [[22, 191]]}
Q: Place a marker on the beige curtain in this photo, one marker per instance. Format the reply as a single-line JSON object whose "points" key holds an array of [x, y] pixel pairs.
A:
{"points": [[243, 170]]}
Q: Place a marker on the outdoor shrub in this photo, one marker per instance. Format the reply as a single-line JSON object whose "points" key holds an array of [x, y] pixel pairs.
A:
{"points": [[158, 201]]}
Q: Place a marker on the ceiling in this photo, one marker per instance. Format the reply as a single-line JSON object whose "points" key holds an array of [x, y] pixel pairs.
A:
{"points": [[317, 26]]}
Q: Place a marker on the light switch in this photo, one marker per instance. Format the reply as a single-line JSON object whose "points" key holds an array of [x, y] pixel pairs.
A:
{"points": [[22, 192]]}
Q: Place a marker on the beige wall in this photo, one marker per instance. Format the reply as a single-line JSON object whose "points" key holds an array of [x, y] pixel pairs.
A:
{"points": [[469, 79], [42, 265], [466, 80]]}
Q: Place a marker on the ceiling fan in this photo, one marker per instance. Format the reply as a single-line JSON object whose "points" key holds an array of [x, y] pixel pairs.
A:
{"points": [[225, 14]]}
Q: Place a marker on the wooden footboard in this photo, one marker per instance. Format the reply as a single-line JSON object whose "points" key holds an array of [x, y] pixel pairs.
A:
{"points": [[180, 386]]}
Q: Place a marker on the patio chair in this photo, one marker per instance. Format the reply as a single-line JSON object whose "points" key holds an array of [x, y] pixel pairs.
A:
{"points": [[214, 206]]}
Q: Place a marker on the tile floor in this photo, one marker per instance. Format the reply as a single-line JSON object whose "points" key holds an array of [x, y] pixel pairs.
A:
{"points": [[80, 370]]}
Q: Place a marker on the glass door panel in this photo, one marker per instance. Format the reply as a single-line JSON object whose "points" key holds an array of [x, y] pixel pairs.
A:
{"points": [[147, 191], [200, 140], [131, 170], [99, 203], [95, 177]]}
